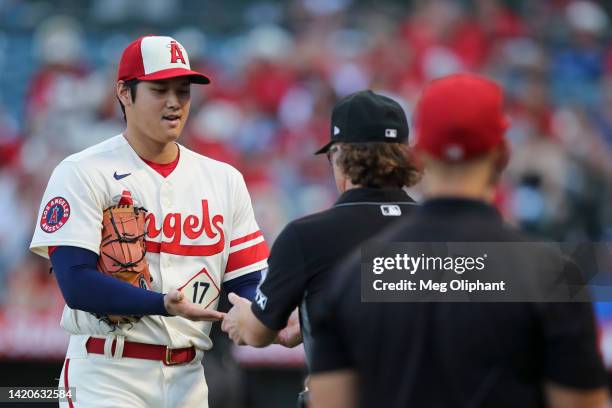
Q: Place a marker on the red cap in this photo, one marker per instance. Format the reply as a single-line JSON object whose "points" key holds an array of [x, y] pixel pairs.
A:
{"points": [[459, 117], [151, 58]]}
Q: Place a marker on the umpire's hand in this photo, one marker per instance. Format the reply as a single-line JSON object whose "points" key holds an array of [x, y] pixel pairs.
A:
{"points": [[231, 323], [176, 305], [291, 335]]}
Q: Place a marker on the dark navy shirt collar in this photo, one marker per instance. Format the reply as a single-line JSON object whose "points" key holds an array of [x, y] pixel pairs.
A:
{"points": [[458, 206], [382, 195]]}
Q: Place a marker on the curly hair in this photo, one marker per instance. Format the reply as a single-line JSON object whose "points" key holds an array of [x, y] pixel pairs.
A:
{"points": [[378, 164]]}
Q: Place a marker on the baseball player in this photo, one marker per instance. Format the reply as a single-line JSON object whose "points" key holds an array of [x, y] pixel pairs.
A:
{"points": [[201, 235]]}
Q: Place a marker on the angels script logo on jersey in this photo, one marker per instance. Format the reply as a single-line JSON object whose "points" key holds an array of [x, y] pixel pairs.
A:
{"points": [[173, 228]]}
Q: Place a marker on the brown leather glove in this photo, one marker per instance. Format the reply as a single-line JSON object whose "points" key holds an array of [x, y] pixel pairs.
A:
{"points": [[122, 250]]}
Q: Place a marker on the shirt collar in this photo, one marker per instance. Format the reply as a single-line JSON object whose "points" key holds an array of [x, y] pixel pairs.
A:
{"points": [[458, 207], [382, 195]]}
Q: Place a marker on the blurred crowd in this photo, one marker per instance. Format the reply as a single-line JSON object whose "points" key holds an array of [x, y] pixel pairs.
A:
{"points": [[276, 76]]}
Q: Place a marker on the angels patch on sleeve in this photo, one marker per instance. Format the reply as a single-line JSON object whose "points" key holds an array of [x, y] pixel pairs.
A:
{"points": [[55, 214]]}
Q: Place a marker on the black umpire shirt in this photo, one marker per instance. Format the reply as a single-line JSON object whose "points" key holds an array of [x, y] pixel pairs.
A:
{"points": [[308, 248], [454, 354]]}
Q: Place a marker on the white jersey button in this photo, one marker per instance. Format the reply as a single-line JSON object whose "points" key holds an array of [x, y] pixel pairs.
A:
{"points": [[166, 194]]}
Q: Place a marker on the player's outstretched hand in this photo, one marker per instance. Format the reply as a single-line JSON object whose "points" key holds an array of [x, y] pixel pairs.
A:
{"points": [[176, 305]]}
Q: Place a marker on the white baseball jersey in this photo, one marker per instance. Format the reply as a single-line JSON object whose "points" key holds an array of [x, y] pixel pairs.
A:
{"points": [[201, 230]]}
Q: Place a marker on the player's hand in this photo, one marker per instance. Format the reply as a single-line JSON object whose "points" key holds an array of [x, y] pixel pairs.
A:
{"points": [[231, 322], [291, 335], [176, 305]]}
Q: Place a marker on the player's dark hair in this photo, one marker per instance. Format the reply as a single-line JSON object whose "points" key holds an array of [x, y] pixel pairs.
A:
{"points": [[378, 164], [132, 85]]}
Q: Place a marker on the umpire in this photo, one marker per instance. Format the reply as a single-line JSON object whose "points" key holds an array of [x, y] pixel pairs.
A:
{"points": [[371, 163], [454, 354]]}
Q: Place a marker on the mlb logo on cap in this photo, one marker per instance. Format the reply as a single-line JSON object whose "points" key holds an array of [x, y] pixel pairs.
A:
{"points": [[391, 133], [153, 58]]}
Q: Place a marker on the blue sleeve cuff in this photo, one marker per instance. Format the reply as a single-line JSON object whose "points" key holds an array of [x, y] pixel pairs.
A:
{"points": [[244, 286]]}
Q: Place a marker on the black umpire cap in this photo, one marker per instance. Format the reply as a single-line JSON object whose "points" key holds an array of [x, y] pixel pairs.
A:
{"points": [[366, 116]]}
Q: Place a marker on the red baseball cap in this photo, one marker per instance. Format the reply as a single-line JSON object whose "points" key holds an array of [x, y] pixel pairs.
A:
{"points": [[152, 58], [459, 117]]}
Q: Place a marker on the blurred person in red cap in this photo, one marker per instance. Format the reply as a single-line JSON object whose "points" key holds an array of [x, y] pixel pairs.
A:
{"points": [[445, 354], [199, 232]]}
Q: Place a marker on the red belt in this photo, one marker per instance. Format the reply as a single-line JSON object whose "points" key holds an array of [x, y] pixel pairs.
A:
{"points": [[170, 356]]}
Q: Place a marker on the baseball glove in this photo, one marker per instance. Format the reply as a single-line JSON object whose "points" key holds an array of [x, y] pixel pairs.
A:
{"points": [[122, 250]]}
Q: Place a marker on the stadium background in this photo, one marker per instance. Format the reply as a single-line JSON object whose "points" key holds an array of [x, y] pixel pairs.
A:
{"points": [[277, 69]]}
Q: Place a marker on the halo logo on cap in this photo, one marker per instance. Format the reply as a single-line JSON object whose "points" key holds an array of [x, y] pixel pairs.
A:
{"points": [[176, 53], [162, 53]]}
